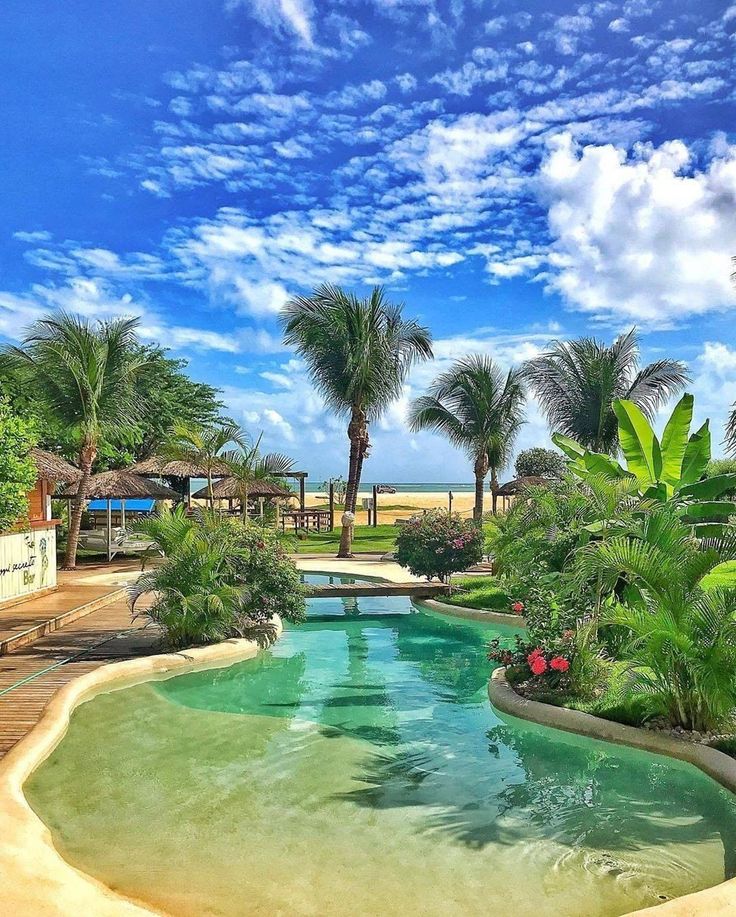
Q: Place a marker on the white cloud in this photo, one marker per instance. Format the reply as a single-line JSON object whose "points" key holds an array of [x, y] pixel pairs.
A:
{"points": [[647, 237], [714, 387], [293, 16], [37, 235]]}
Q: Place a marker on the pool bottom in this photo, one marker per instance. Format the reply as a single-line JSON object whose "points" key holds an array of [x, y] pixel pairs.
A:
{"points": [[335, 775]]}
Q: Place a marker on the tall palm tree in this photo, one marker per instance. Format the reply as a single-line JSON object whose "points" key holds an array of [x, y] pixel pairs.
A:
{"points": [[479, 410], [248, 466], [204, 446], [576, 383], [358, 353], [84, 373]]}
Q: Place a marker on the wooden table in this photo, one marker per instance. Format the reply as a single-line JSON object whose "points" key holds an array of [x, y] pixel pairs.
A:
{"points": [[314, 519]]}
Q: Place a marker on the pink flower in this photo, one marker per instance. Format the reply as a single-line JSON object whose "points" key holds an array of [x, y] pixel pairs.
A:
{"points": [[538, 665], [517, 608], [535, 654], [559, 664]]}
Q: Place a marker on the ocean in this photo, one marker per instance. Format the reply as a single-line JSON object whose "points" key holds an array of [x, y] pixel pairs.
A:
{"points": [[424, 488]]}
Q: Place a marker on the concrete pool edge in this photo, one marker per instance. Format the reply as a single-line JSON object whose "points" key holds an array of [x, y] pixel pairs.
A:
{"points": [[38, 880], [717, 901], [476, 614]]}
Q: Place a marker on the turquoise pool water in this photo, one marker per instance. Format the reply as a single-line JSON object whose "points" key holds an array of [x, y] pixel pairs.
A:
{"points": [[357, 767]]}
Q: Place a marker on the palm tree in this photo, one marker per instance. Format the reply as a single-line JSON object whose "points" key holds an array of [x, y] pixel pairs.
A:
{"points": [[681, 628], [203, 447], [84, 373], [576, 383], [358, 353], [479, 410], [248, 466]]}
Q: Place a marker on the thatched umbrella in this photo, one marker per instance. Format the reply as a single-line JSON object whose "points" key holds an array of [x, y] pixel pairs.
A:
{"points": [[518, 485], [159, 466], [120, 485], [229, 489], [53, 469], [515, 487]]}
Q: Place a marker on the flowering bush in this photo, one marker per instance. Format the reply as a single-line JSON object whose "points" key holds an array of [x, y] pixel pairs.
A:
{"points": [[547, 666], [439, 544]]}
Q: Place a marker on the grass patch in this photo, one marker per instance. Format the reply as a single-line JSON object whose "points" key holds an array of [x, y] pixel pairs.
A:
{"points": [[485, 593], [367, 540]]}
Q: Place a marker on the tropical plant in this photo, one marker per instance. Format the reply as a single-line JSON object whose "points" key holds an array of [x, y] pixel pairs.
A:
{"points": [[438, 544], [681, 643], [17, 468], [358, 353], [670, 470], [577, 383], [84, 374], [480, 410], [339, 486], [249, 467], [204, 447], [219, 578], [538, 462]]}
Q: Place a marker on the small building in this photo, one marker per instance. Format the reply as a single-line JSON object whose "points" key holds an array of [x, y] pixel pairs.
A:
{"points": [[28, 553]]}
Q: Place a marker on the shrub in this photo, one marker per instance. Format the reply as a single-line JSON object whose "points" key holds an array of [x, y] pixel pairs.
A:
{"points": [[219, 578], [546, 666], [439, 544], [17, 469], [539, 462]]}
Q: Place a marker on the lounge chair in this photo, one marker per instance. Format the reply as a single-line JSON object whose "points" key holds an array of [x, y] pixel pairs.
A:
{"points": [[122, 542]]}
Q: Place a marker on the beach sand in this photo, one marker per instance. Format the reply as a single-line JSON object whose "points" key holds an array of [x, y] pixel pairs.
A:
{"points": [[402, 505]]}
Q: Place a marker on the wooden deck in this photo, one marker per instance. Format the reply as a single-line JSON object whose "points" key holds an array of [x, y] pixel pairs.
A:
{"points": [[30, 676], [347, 590], [22, 624]]}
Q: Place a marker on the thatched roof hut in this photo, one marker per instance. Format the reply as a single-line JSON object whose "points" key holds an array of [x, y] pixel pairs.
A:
{"points": [[122, 485], [53, 469], [229, 489], [159, 466]]}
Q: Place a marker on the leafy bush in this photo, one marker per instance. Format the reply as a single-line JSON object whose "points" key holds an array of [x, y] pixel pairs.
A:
{"points": [[539, 462], [219, 578], [547, 667], [439, 544], [17, 469], [681, 638]]}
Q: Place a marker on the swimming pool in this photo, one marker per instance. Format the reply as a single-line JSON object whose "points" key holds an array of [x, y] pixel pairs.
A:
{"points": [[357, 767]]}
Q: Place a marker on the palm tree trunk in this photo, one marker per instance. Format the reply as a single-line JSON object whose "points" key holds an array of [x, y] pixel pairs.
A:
{"points": [[210, 495], [87, 455], [244, 507], [359, 443], [494, 491], [481, 470]]}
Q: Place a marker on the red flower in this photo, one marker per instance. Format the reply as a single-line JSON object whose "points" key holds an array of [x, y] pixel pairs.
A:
{"points": [[538, 665], [533, 655], [559, 664], [517, 608]]}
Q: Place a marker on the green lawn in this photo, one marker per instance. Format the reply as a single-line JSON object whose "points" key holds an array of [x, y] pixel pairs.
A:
{"points": [[483, 592], [368, 540]]}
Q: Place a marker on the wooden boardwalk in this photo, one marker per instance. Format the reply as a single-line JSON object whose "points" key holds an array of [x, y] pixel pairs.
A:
{"points": [[347, 590], [30, 676]]}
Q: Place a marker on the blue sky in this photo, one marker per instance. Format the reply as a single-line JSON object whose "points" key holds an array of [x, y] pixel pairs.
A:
{"points": [[512, 171]]}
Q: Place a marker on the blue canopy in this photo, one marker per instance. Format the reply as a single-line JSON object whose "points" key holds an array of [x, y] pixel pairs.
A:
{"points": [[133, 505]]}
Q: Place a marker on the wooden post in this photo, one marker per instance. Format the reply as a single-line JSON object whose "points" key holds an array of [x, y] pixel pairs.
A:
{"points": [[332, 506], [109, 530], [122, 515], [375, 506], [302, 497], [449, 503]]}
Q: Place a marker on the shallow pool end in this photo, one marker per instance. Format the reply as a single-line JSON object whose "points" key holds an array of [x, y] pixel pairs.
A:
{"points": [[719, 901], [37, 881]]}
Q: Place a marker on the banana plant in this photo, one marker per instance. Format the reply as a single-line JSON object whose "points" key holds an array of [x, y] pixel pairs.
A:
{"points": [[661, 471]]}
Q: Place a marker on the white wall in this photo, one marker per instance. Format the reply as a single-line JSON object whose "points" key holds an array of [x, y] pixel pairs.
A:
{"points": [[27, 562]]}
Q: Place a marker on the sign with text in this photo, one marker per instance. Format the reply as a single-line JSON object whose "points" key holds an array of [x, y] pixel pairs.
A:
{"points": [[27, 562]]}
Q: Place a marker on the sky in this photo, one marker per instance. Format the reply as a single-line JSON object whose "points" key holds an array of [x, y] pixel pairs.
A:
{"points": [[512, 171]]}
